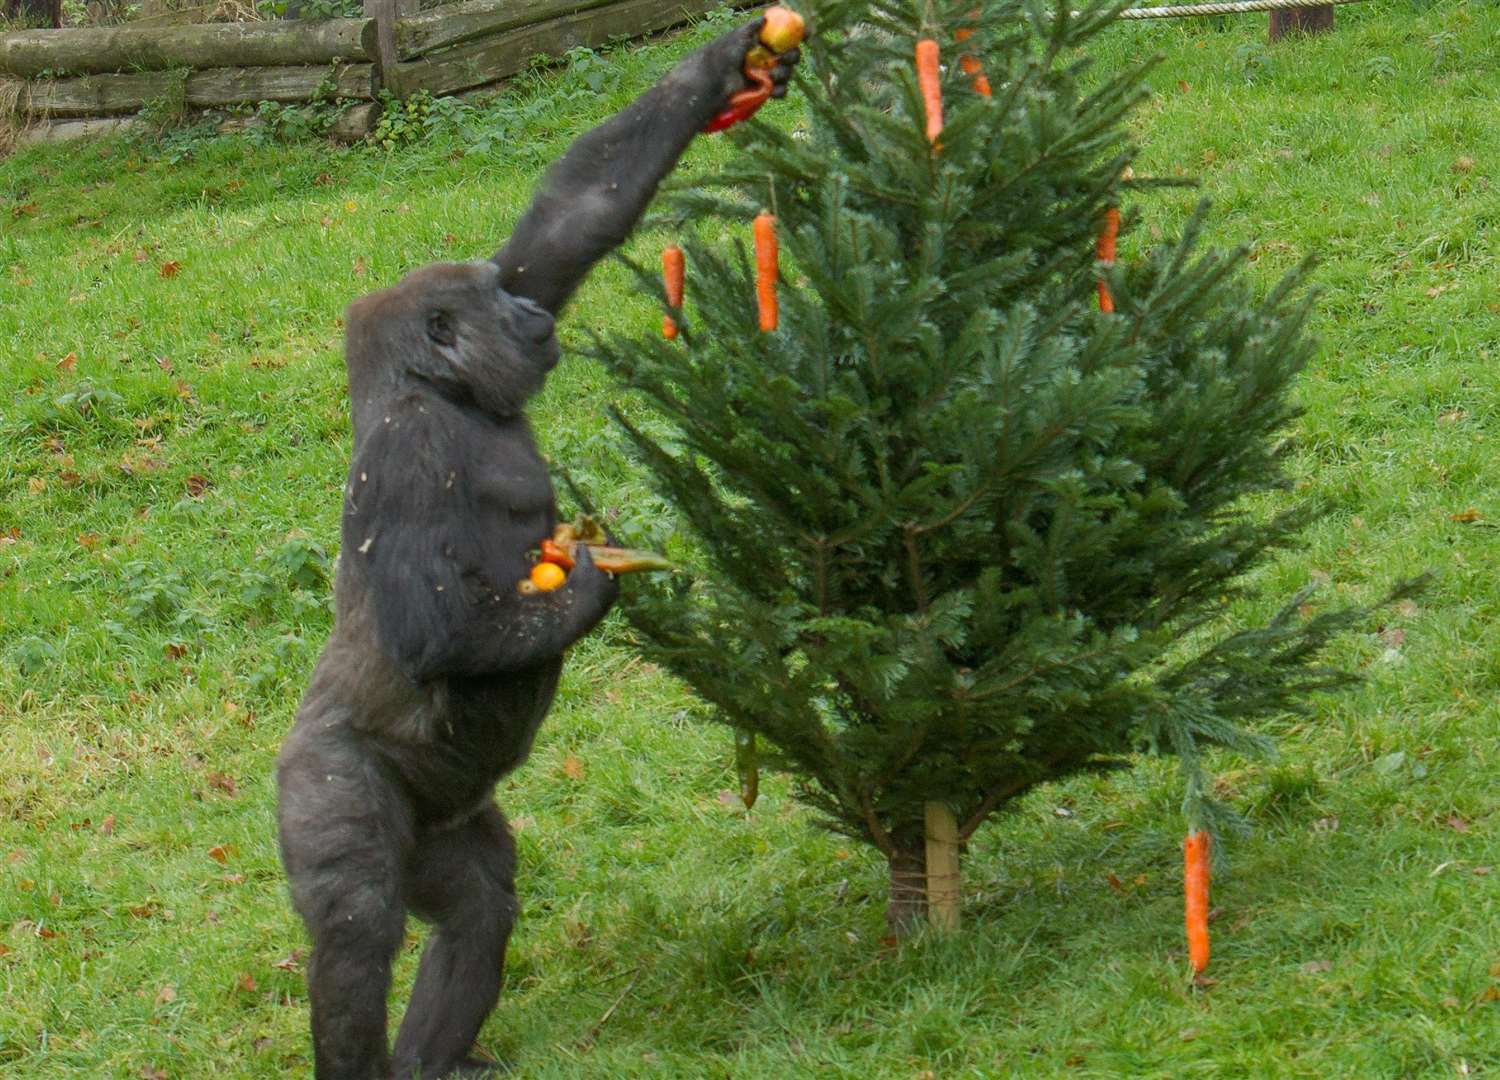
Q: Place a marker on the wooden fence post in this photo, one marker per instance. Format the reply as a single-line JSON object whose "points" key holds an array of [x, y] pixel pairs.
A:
{"points": [[385, 13], [1310, 20], [944, 885]]}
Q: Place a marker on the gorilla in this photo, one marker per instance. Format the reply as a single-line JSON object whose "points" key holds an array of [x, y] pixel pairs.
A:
{"points": [[438, 670]]}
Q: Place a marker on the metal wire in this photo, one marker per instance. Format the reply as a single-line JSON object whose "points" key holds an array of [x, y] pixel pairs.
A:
{"points": [[1234, 7]]}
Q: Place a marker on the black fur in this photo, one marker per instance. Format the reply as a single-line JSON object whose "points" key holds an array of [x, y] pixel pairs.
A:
{"points": [[438, 670]]}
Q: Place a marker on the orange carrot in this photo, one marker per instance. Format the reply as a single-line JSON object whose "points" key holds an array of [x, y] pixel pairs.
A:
{"points": [[1195, 897], [1106, 253], [975, 70], [765, 271], [928, 83], [672, 272], [970, 64], [553, 552]]}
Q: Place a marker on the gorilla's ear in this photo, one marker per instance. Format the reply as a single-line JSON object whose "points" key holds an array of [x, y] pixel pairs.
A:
{"points": [[440, 328]]}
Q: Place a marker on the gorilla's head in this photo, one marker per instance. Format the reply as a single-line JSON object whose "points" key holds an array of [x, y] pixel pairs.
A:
{"points": [[451, 326]]}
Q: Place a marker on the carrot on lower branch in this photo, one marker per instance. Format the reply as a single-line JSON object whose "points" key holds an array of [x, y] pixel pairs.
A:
{"points": [[1105, 251], [673, 272], [765, 271], [1195, 874]]}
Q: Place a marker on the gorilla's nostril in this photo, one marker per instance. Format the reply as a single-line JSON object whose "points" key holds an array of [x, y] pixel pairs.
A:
{"points": [[533, 322]]}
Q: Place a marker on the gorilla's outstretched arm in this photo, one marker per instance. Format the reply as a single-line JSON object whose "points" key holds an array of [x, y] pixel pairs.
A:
{"points": [[593, 197]]}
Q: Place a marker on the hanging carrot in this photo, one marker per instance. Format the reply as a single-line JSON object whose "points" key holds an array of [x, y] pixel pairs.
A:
{"points": [[672, 271], [765, 271], [1106, 254], [970, 64], [975, 70], [1195, 897], [932, 91]]}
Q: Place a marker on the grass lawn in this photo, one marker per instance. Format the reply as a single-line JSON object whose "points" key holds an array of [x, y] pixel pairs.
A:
{"points": [[173, 435]]}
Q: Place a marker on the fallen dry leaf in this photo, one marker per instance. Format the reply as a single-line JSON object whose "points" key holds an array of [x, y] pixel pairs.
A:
{"points": [[170, 269], [1466, 517], [107, 826], [220, 853], [572, 768], [67, 363], [223, 782], [88, 540], [166, 995], [174, 650], [1456, 823], [1316, 967], [245, 981], [197, 485]]}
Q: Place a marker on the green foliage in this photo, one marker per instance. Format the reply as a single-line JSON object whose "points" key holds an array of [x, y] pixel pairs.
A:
{"points": [[311, 9], [417, 117], [311, 119], [962, 533]]}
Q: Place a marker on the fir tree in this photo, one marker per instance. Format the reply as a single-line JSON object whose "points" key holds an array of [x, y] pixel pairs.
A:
{"points": [[961, 533]]}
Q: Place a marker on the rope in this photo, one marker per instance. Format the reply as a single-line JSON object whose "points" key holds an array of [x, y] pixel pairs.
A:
{"points": [[1236, 7]]}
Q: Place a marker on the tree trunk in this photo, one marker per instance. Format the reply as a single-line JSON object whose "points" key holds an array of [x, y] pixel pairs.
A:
{"points": [[36, 13], [906, 909]]}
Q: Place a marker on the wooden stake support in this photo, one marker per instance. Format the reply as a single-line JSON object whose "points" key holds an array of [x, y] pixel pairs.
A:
{"points": [[944, 882]]}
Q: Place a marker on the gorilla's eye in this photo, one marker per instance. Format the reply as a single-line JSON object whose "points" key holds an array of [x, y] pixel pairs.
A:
{"points": [[440, 327]]}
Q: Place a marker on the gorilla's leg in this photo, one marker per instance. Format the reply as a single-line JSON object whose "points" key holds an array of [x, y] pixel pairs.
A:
{"points": [[463, 880], [345, 838]]}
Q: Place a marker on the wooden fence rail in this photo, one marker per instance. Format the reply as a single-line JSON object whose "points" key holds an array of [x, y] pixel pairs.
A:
{"points": [[95, 50], [58, 76]]}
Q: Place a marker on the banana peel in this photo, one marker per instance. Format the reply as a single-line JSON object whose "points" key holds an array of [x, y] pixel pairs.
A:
{"points": [[562, 548]]}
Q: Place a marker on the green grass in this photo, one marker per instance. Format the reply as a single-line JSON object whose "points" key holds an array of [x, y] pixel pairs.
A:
{"points": [[169, 498]]}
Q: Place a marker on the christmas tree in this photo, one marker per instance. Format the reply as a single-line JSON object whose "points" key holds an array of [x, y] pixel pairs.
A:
{"points": [[959, 532]]}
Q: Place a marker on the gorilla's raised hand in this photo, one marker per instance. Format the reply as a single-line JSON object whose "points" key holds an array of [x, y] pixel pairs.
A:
{"points": [[593, 197]]}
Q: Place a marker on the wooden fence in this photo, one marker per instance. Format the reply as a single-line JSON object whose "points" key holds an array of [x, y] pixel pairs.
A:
{"points": [[73, 82]]}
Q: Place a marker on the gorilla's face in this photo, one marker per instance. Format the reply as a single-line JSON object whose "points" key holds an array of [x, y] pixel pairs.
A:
{"points": [[451, 325]]}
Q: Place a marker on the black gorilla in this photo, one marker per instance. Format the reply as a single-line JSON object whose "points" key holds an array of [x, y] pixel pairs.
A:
{"points": [[438, 670]]}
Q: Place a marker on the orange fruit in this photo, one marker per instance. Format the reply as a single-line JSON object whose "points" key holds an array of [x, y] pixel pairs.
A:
{"points": [[783, 29], [547, 576]]}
